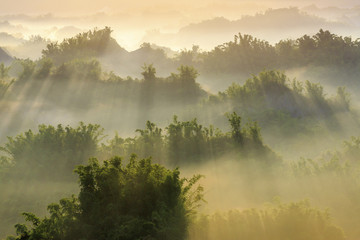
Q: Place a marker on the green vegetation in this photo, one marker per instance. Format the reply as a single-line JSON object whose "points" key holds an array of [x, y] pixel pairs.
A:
{"points": [[143, 199], [84, 45], [279, 221], [247, 54], [270, 97], [336, 173], [52, 152], [244, 55], [188, 142], [138, 201], [5, 81], [282, 106], [87, 74], [274, 90]]}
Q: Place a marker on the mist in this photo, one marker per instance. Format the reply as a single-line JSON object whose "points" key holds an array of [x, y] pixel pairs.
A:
{"points": [[192, 120]]}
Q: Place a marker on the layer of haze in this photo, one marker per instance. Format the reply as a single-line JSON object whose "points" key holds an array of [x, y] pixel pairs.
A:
{"points": [[178, 25], [85, 6], [167, 22]]}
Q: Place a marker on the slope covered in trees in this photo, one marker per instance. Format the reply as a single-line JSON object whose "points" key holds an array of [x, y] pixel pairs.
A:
{"points": [[72, 82], [244, 55], [84, 80], [52, 152], [248, 54], [106, 191], [84, 45], [290, 112], [46, 158], [281, 106], [188, 142]]}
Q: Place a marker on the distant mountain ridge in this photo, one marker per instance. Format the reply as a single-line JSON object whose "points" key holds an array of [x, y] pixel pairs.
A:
{"points": [[272, 25]]}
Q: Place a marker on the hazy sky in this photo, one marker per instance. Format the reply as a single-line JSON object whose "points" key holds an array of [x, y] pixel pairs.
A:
{"points": [[132, 20], [114, 6]]}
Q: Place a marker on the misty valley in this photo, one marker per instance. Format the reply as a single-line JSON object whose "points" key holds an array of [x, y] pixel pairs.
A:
{"points": [[246, 140]]}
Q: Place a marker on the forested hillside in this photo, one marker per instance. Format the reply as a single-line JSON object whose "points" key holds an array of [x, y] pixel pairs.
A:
{"points": [[98, 142]]}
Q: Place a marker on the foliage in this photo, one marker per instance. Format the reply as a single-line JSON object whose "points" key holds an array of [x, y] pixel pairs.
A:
{"points": [[84, 45], [85, 83], [28, 68], [333, 178], [5, 81], [340, 164], [247, 54], [146, 201], [190, 142], [272, 99], [244, 54], [138, 201], [4, 71], [297, 220], [52, 152], [189, 57], [148, 73], [89, 70], [43, 71]]}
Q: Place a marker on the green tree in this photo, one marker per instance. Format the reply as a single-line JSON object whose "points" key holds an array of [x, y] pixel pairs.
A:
{"points": [[5, 81], [52, 152], [28, 68], [44, 69], [149, 73], [4, 71], [342, 98], [84, 45], [236, 131], [151, 141], [138, 201]]}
